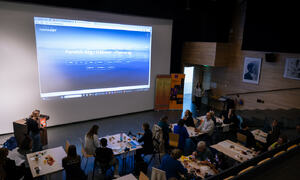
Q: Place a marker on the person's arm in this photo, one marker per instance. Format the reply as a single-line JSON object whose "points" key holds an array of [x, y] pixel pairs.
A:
{"points": [[142, 139], [181, 169], [96, 140], [186, 134]]}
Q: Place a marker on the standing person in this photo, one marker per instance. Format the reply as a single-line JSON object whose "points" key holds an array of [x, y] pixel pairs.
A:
{"points": [[33, 128], [105, 157], [172, 166], [147, 140], [188, 119], [72, 165], [92, 140], [182, 132], [163, 124], [198, 95]]}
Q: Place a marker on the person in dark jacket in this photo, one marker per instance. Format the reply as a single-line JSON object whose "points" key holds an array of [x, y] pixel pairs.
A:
{"points": [[250, 143], [274, 134], [188, 119], [147, 141], [33, 128], [72, 165], [163, 123], [9, 169]]}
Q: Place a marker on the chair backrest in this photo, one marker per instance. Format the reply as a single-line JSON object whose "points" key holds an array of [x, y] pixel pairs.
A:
{"points": [[279, 153], [228, 178], [173, 139], [67, 146], [158, 174], [241, 138], [143, 176], [292, 147], [245, 170], [263, 161], [158, 140]]}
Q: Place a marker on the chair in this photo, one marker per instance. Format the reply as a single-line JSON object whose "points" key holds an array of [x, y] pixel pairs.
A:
{"points": [[241, 138], [228, 178], [85, 155], [278, 154], [292, 147], [103, 166], [173, 140], [263, 161], [143, 176], [67, 145], [158, 174], [246, 170]]}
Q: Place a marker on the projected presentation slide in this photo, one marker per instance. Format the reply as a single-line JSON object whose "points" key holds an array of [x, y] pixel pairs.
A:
{"points": [[82, 58]]}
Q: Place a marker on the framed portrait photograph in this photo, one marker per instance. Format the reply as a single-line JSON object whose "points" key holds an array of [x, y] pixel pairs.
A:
{"points": [[251, 71], [292, 68]]}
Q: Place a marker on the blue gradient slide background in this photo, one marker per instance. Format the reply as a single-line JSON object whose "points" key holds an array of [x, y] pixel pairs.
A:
{"points": [[78, 58]]}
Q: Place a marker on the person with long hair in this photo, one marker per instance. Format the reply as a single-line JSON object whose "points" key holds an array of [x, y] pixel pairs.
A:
{"points": [[188, 119], [92, 140], [198, 95], [8, 168], [72, 165]]}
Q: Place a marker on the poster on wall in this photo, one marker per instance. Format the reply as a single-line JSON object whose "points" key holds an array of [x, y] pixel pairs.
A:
{"points": [[251, 71], [292, 68], [176, 95], [162, 92]]}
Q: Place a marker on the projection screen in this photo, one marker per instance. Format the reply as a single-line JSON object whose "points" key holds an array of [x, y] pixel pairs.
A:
{"points": [[126, 75]]}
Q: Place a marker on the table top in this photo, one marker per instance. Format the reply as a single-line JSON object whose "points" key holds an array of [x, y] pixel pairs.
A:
{"points": [[234, 150], [127, 177], [190, 130], [193, 164], [118, 147], [57, 154], [259, 135]]}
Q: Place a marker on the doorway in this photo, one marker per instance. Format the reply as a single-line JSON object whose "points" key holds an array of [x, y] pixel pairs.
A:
{"points": [[188, 88]]}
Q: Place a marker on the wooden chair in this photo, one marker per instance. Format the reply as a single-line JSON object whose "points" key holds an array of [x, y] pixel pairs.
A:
{"points": [[292, 147], [67, 145], [158, 174], [228, 178], [280, 153], [173, 140], [263, 161], [241, 138], [246, 170], [85, 155], [143, 176]]}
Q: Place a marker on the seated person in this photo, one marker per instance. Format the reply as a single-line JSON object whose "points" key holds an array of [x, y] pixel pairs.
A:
{"points": [[72, 165], [105, 157], [163, 123], [182, 132], [273, 135], [9, 168], [230, 117], [202, 153], [147, 141], [207, 126], [92, 140], [172, 166], [188, 119], [250, 143], [281, 141]]}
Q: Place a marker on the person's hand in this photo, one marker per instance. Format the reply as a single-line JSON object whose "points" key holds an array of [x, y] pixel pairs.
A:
{"points": [[204, 162], [140, 133], [194, 154]]}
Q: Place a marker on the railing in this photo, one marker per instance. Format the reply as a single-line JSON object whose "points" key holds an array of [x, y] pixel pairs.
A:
{"points": [[263, 91]]}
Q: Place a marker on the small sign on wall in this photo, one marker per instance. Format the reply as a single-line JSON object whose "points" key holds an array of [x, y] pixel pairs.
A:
{"points": [[292, 68], [251, 71]]}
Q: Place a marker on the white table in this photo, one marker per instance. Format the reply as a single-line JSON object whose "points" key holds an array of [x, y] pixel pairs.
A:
{"points": [[118, 146], [191, 130], [57, 153], [234, 150], [127, 177], [194, 164], [259, 135]]}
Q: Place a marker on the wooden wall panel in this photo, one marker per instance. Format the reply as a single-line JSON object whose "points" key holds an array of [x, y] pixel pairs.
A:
{"points": [[229, 78], [199, 53]]}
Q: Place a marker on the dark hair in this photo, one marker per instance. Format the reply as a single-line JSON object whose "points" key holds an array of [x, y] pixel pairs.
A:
{"points": [[284, 138], [176, 153], [103, 142], [164, 118], [146, 126], [72, 153], [93, 131], [26, 143], [199, 85], [244, 125], [180, 123]]}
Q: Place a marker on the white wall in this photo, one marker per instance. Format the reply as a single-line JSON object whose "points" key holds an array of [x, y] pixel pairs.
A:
{"points": [[19, 86]]}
